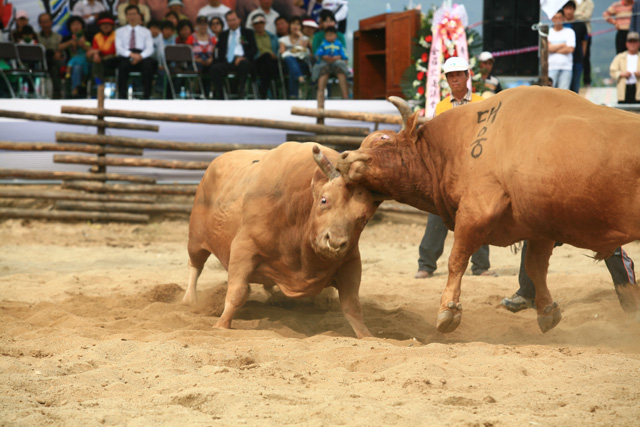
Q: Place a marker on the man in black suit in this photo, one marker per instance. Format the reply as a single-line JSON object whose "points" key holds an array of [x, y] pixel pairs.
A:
{"points": [[236, 51]]}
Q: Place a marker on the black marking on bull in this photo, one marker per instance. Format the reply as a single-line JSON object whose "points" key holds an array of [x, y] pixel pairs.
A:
{"points": [[491, 115], [255, 161]]}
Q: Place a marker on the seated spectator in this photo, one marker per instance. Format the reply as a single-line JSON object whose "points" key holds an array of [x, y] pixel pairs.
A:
{"points": [[143, 8], [282, 26], [216, 25], [22, 19], [134, 46], [625, 70], [270, 16], [172, 17], [203, 48], [266, 59], [331, 59], [215, 9], [185, 32], [491, 82], [294, 51], [175, 6], [103, 48], [76, 46], [236, 50], [168, 32], [326, 20], [309, 28], [27, 36], [340, 10], [88, 10], [51, 41], [158, 42]]}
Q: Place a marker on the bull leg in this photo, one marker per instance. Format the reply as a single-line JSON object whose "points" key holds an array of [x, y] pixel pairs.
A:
{"points": [[348, 285], [241, 264], [536, 263], [197, 258]]}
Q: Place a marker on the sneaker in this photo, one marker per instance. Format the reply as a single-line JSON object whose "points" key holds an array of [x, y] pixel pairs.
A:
{"points": [[486, 273], [423, 274], [517, 303]]}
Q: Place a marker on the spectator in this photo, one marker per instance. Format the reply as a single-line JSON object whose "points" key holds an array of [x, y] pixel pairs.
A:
{"points": [[216, 25], [635, 17], [340, 10], [175, 6], [619, 14], [266, 60], [294, 51], [88, 10], [620, 267], [625, 70], [185, 32], [456, 71], [143, 8], [27, 36], [584, 11], [311, 8], [282, 26], [76, 46], [158, 41], [269, 13], [103, 48], [172, 17], [22, 19], [331, 59], [216, 9], [134, 46], [236, 50], [326, 20], [580, 30], [562, 42], [168, 32], [309, 28], [51, 41], [203, 49], [491, 82]]}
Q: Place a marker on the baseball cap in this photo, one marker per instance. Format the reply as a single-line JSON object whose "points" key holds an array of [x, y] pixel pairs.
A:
{"points": [[632, 35], [259, 17], [309, 23], [455, 63], [485, 56], [22, 14], [106, 21]]}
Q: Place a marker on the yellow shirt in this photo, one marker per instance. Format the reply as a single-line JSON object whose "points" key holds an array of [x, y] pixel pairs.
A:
{"points": [[448, 102]]}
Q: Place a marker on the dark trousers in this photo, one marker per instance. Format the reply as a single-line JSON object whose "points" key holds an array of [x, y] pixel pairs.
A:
{"points": [[586, 64], [219, 72], [267, 70], [630, 95], [621, 41], [575, 78], [147, 67], [432, 246], [619, 264]]}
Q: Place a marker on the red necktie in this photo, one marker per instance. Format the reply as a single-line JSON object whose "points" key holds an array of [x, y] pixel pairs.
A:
{"points": [[132, 41]]}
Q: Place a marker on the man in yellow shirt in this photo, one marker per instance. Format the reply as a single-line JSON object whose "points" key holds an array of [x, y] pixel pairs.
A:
{"points": [[456, 70]]}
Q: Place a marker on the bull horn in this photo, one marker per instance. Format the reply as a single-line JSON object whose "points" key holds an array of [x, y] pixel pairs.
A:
{"points": [[403, 107], [325, 165]]}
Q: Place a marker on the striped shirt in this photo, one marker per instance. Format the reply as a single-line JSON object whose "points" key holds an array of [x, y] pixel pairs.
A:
{"points": [[620, 13]]}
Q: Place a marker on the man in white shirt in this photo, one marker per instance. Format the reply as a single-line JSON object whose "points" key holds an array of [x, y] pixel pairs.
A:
{"points": [[625, 70], [269, 14], [88, 10], [562, 42], [134, 46], [215, 8]]}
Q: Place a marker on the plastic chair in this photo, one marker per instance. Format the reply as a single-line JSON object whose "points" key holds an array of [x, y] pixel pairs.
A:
{"points": [[34, 58], [182, 55], [9, 54]]}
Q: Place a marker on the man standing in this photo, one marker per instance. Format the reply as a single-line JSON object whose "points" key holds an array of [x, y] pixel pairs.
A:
{"points": [[584, 11], [562, 42], [269, 14], [215, 8], [456, 70], [51, 42], [625, 70], [88, 10], [580, 30], [134, 46], [619, 14], [491, 82], [236, 50]]}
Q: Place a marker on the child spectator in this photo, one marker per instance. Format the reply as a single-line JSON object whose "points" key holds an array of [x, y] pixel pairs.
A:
{"points": [[185, 31], [168, 32], [26, 36], [76, 47], [326, 20], [294, 51], [331, 59], [103, 49]]}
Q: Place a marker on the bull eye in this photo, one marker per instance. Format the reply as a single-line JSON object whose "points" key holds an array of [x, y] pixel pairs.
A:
{"points": [[385, 137], [323, 200]]}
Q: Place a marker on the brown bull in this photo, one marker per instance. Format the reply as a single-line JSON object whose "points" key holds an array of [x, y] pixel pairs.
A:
{"points": [[532, 163], [276, 218]]}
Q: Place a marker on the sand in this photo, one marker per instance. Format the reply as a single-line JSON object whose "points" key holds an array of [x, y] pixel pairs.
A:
{"points": [[92, 332]]}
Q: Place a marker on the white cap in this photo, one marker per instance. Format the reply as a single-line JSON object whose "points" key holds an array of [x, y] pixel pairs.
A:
{"points": [[485, 56], [455, 63]]}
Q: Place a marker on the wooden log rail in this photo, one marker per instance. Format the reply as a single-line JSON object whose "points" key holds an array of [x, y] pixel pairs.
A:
{"points": [[220, 120], [76, 121], [351, 115], [156, 144], [55, 175], [132, 162], [130, 188], [72, 215], [79, 148], [124, 207], [9, 193], [348, 141]]}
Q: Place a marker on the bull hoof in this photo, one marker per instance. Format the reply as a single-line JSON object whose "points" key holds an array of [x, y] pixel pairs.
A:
{"points": [[221, 325], [551, 317], [189, 299], [449, 319]]}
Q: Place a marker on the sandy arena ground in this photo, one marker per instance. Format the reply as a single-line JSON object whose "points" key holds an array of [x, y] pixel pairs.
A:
{"points": [[92, 333]]}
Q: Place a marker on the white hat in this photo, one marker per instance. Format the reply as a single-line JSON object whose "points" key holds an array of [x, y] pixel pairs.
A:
{"points": [[455, 63], [485, 56], [309, 23], [175, 3]]}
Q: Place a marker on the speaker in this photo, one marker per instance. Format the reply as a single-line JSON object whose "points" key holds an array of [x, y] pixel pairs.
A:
{"points": [[507, 25]]}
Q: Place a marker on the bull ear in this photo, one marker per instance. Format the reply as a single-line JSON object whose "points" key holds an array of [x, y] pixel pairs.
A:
{"points": [[412, 125], [325, 165], [403, 108]]}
